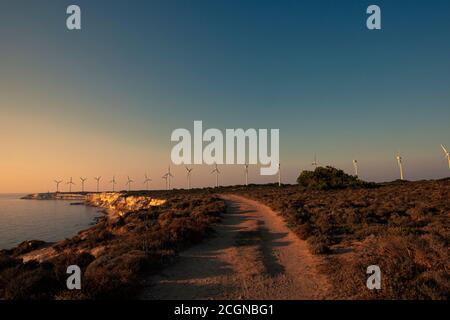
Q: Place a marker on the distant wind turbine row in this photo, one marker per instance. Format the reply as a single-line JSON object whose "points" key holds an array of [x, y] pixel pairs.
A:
{"points": [[168, 175], [399, 159]]}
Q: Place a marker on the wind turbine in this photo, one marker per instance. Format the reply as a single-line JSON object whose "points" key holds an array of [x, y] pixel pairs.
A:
{"points": [[355, 165], [113, 181], [129, 181], [70, 183], [189, 170], [57, 185], [83, 180], [217, 172], [246, 174], [315, 163], [447, 155], [98, 182], [279, 174], [147, 180], [400, 165], [167, 176]]}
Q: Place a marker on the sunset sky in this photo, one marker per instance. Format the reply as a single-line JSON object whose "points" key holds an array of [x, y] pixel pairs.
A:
{"points": [[104, 100]]}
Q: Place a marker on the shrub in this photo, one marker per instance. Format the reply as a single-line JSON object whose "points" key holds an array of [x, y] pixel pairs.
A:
{"points": [[304, 231], [112, 276], [323, 178], [411, 269], [319, 244]]}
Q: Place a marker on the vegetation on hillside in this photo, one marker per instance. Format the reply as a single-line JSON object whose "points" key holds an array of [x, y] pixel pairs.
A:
{"points": [[402, 227], [113, 255], [325, 178]]}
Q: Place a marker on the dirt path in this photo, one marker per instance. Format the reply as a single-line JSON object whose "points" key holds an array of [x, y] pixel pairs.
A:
{"points": [[253, 256]]}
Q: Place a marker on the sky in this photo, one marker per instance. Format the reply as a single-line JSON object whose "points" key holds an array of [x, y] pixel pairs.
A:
{"points": [[104, 100]]}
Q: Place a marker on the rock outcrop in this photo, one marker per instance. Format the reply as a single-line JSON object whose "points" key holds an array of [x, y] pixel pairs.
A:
{"points": [[121, 202]]}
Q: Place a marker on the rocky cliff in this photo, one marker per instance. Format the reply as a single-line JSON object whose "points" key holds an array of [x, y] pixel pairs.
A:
{"points": [[122, 202]]}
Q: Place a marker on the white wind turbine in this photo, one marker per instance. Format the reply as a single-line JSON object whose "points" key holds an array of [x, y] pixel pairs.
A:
{"points": [[146, 181], [98, 182], [167, 176], [113, 182], [447, 155], [83, 180], [189, 170], [246, 174], [279, 174], [70, 183], [400, 165], [129, 181], [217, 172], [355, 165], [57, 182], [315, 163]]}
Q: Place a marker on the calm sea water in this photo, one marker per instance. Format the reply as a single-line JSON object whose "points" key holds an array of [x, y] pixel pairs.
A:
{"points": [[47, 220]]}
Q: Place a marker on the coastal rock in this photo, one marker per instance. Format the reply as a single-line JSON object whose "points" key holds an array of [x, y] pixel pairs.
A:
{"points": [[122, 202], [55, 196]]}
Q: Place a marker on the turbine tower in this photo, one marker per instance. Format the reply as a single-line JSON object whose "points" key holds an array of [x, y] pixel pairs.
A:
{"points": [[113, 181], [57, 182], [83, 180], [146, 181], [189, 170], [447, 155], [217, 172], [98, 182], [315, 163], [355, 165], [246, 174], [279, 174], [167, 176], [129, 181], [400, 165], [70, 183]]}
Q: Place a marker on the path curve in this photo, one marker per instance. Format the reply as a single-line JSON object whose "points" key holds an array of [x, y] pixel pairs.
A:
{"points": [[253, 256]]}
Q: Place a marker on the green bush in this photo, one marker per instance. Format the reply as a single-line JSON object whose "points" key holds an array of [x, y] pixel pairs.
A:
{"points": [[324, 178]]}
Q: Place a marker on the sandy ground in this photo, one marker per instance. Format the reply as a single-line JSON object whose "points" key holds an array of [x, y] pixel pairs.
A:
{"points": [[253, 256]]}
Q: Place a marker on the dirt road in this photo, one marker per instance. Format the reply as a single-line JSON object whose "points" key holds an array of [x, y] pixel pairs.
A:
{"points": [[253, 256]]}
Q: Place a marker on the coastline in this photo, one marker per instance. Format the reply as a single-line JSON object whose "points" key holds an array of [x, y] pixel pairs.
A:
{"points": [[141, 233], [56, 196], [113, 206]]}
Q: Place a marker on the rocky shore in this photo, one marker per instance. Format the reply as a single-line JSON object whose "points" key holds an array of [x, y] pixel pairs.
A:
{"points": [[56, 196], [123, 202], [142, 232], [115, 205]]}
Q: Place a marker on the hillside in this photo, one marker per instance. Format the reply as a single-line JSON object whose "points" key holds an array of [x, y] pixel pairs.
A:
{"points": [[403, 227]]}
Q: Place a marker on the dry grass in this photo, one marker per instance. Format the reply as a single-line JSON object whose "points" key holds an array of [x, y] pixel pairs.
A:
{"points": [[113, 256], [403, 227]]}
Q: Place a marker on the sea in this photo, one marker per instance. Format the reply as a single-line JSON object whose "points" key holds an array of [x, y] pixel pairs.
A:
{"points": [[47, 220]]}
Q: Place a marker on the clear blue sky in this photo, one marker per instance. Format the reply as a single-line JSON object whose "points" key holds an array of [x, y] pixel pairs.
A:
{"points": [[112, 93]]}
